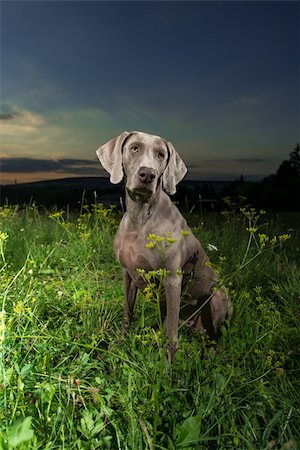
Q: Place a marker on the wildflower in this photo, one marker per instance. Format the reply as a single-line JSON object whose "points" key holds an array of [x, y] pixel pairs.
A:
{"points": [[185, 232], [276, 288], [273, 241], [284, 237], [155, 237], [140, 271], [208, 264], [59, 294], [212, 248], [84, 235], [19, 309], [162, 273], [2, 325], [3, 237], [252, 230], [149, 291], [263, 239], [171, 240], [57, 215], [150, 245]]}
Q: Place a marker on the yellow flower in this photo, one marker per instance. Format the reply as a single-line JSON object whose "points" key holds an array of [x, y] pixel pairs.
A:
{"points": [[140, 271], [185, 232], [150, 245], [149, 291], [6, 211], [208, 264], [57, 215], [20, 308], [84, 235], [171, 240], [155, 237], [276, 288], [3, 236], [263, 238], [252, 230], [284, 237]]}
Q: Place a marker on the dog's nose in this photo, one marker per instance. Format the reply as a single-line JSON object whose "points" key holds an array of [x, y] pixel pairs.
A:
{"points": [[146, 175]]}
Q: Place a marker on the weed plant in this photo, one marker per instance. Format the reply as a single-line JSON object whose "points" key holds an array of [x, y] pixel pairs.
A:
{"points": [[69, 380]]}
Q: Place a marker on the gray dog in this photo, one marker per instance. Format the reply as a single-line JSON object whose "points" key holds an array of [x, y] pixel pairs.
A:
{"points": [[151, 167]]}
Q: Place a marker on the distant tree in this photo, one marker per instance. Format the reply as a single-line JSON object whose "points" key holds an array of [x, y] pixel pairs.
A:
{"points": [[295, 158], [280, 191], [290, 169]]}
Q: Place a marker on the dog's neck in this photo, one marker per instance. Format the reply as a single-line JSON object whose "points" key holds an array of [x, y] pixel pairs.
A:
{"points": [[140, 212]]}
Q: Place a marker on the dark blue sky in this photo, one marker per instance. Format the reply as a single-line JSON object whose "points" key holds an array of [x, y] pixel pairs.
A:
{"points": [[218, 79]]}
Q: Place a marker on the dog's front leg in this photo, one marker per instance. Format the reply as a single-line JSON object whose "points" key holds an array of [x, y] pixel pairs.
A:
{"points": [[173, 295], [129, 300]]}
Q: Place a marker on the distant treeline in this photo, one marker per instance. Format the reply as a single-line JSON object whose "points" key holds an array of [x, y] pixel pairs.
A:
{"points": [[280, 191]]}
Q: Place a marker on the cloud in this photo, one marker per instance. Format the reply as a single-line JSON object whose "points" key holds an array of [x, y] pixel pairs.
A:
{"points": [[20, 121], [248, 100], [56, 134], [4, 116], [62, 166], [79, 132]]}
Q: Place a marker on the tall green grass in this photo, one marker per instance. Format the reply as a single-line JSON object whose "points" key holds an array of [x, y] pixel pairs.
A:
{"points": [[69, 380]]}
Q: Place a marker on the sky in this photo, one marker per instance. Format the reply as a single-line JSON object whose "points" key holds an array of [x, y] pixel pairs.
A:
{"points": [[219, 79]]}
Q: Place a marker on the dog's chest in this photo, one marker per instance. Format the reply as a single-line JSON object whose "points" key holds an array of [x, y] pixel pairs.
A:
{"points": [[132, 253]]}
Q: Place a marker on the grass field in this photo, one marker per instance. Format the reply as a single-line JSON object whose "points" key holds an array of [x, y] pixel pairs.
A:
{"points": [[69, 380]]}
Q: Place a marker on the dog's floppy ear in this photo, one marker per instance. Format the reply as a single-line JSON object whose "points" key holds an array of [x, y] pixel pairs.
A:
{"points": [[110, 156], [174, 172]]}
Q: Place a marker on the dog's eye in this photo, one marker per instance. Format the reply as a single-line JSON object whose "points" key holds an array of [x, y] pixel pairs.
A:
{"points": [[134, 148], [161, 155]]}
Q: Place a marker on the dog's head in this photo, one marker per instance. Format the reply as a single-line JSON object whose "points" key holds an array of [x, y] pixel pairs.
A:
{"points": [[145, 160]]}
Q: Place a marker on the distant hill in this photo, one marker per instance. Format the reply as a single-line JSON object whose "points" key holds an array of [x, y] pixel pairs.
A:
{"points": [[74, 191]]}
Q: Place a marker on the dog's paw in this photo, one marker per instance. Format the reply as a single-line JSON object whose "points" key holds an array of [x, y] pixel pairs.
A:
{"points": [[171, 352], [124, 330]]}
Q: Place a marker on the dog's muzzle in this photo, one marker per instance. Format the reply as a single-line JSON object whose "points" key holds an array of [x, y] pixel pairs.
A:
{"points": [[143, 192]]}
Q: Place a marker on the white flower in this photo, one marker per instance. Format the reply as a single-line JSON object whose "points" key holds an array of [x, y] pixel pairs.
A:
{"points": [[30, 272], [212, 248]]}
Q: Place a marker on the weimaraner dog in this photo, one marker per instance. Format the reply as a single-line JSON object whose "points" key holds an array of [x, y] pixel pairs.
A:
{"points": [[151, 167]]}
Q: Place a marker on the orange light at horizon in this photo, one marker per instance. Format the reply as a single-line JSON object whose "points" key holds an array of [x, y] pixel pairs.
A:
{"points": [[19, 178]]}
